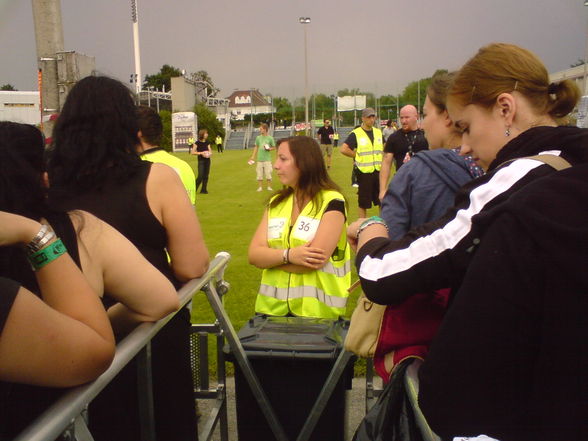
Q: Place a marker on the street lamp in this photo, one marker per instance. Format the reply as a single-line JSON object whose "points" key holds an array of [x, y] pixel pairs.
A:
{"points": [[334, 98], [135, 20], [305, 21], [585, 61]]}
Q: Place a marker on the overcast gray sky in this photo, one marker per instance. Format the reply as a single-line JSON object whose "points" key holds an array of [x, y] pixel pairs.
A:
{"points": [[377, 45]]}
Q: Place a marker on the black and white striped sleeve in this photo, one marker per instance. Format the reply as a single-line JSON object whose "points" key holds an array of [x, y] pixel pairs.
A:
{"points": [[437, 254]]}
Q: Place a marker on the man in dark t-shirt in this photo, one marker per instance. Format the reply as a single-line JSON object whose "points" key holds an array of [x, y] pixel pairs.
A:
{"points": [[402, 145], [325, 138]]}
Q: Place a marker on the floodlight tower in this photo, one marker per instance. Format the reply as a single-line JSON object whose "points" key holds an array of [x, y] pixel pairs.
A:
{"points": [[135, 20], [304, 21]]}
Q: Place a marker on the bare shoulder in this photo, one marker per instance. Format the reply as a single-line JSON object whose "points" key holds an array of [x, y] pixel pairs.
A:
{"points": [[85, 223], [162, 173], [92, 230]]}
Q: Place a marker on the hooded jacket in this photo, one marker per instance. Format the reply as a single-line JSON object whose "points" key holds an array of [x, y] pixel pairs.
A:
{"points": [[422, 190], [511, 357], [436, 255]]}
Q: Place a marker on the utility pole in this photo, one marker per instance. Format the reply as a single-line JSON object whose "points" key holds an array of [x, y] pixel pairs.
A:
{"points": [[49, 41], [304, 21]]}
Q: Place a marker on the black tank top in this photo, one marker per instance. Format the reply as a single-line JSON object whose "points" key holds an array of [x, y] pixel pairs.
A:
{"points": [[124, 206]]}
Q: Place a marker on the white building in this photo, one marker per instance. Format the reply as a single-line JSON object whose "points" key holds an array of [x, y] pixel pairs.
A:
{"points": [[22, 107], [247, 102]]}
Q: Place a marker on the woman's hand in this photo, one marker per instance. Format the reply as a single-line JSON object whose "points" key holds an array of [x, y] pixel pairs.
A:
{"points": [[17, 229], [306, 255]]}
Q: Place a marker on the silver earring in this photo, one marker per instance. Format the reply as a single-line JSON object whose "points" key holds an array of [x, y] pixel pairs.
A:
{"points": [[507, 131]]}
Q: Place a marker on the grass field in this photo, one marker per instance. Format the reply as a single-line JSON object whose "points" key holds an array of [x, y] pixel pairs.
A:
{"points": [[229, 215]]}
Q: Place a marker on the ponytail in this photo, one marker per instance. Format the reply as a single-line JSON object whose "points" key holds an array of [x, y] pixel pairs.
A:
{"points": [[563, 98]]}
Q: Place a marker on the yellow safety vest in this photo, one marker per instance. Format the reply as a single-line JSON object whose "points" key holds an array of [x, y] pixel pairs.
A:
{"points": [[369, 156], [181, 167], [321, 293]]}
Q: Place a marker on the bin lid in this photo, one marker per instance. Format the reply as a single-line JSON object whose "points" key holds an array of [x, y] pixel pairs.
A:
{"points": [[301, 337]]}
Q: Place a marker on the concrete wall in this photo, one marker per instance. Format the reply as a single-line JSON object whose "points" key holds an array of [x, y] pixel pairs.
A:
{"points": [[183, 95], [22, 107]]}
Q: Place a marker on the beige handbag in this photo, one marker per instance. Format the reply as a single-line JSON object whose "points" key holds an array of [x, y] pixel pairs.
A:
{"points": [[364, 329]]}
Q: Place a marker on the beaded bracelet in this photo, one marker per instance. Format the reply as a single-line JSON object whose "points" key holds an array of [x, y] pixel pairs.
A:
{"points": [[46, 255], [371, 221]]}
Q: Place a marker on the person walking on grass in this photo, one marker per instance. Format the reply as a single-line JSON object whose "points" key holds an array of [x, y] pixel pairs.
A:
{"points": [[264, 144], [203, 151]]}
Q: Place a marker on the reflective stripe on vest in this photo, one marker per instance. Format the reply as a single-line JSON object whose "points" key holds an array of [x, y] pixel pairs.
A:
{"points": [[321, 293], [368, 155], [298, 292]]}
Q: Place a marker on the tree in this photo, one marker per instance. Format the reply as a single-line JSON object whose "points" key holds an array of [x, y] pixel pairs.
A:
{"points": [[323, 106], [417, 89], [166, 137], [283, 108], [207, 120], [580, 62], [203, 77], [162, 78], [388, 107], [7, 87]]}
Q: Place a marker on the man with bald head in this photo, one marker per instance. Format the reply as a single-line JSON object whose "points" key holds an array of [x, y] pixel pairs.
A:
{"points": [[402, 145]]}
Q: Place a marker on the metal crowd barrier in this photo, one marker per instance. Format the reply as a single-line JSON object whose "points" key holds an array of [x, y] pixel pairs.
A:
{"points": [[411, 381], [68, 415]]}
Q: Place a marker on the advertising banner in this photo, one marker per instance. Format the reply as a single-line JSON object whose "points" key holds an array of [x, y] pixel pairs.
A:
{"points": [[184, 127], [345, 103]]}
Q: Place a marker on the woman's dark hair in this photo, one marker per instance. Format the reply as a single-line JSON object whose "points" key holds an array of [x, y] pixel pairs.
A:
{"points": [[21, 170], [150, 125], [95, 137], [21, 190], [201, 134], [313, 172]]}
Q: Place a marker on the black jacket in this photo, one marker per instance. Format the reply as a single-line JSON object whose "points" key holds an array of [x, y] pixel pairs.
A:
{"points": [[511, 357], [436, 255]]}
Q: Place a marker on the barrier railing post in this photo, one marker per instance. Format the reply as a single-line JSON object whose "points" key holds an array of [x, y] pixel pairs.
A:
{"points": [[241, 358], [145, 393]]}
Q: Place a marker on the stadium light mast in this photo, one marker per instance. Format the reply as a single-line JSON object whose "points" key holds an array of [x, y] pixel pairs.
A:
{"points": [[135, 20], [584, 83], [304, 21]]}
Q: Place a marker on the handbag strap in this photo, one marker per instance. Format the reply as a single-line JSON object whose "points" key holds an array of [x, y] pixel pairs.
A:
{"points": [[556, 162]]}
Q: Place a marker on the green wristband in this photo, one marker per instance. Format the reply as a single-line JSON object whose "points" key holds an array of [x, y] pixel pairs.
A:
{"points": [[47, 255], [373, 218], [371, 221]]}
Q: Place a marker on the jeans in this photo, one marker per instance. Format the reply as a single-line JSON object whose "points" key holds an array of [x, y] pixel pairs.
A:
{"points": [[203, 172]]}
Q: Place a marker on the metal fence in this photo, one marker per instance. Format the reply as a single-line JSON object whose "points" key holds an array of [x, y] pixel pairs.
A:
{"points": [[69, 414]]}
